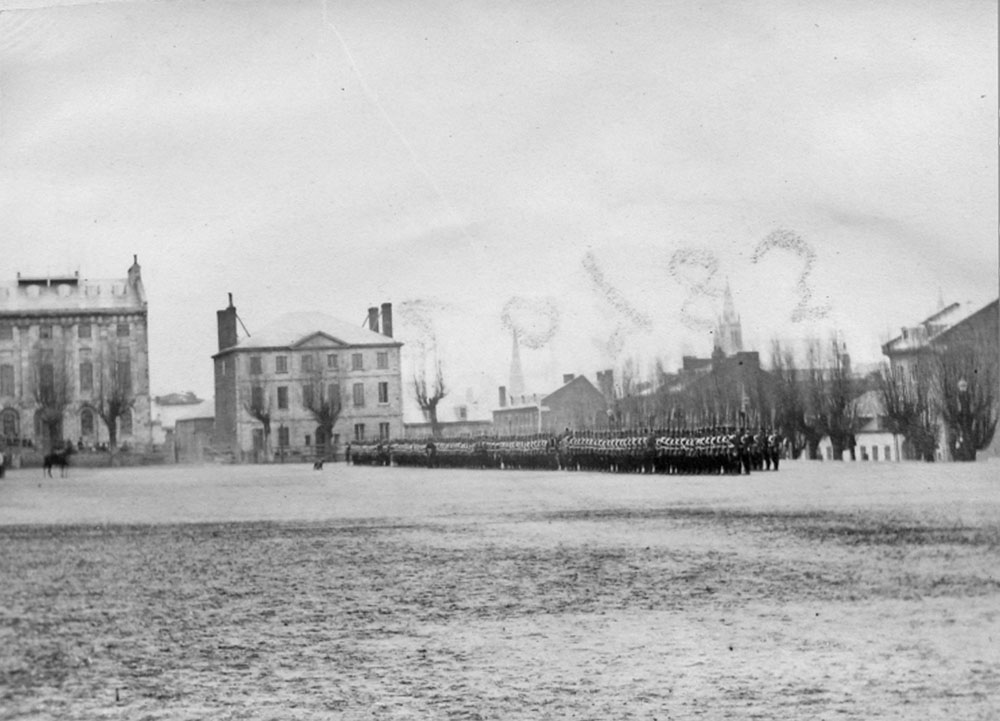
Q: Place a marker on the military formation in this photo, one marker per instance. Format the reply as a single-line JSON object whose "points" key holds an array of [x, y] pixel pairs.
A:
{"points": [[704, 451]]}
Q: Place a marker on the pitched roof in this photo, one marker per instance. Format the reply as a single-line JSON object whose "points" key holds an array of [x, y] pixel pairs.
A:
{"points": [[930, 328], [291, 329]]}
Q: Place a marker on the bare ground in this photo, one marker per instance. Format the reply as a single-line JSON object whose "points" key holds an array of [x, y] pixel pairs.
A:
{"points": [[848, 591]]}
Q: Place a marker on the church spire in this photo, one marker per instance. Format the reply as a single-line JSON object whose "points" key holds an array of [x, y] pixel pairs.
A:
{"points": [[729, 332]]}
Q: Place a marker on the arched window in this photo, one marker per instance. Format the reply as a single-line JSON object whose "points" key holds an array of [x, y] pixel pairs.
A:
{"points": [[9, 423], [125, 423], [86, 422]]}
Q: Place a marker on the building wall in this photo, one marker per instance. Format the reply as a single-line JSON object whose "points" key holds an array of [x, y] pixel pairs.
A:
{"points": [[192, 439], [877, 446], [235, 379], [44, 324]]}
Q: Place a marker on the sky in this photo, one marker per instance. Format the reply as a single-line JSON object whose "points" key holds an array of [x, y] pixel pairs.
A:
{"points": [[589, 174]]}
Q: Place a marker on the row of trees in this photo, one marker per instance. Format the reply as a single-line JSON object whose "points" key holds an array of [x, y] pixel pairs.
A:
{"points": [[949, 392]]}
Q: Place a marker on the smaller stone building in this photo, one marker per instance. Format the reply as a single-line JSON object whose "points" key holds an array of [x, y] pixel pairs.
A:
{"points": [[577, 405]]}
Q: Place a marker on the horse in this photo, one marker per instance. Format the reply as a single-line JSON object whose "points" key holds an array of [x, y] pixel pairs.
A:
{"points": [[56, 458]]}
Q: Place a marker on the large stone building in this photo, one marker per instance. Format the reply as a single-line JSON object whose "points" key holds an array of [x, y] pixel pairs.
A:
{"points": [[290, 370], [67, 346]]}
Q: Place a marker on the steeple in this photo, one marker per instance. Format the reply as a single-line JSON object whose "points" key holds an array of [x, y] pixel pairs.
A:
{"points": [[516, 387], [729, 332]]}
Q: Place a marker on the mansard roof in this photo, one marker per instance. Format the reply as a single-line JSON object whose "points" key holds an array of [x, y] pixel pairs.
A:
{"points": [[306, 329], [52, 295]]}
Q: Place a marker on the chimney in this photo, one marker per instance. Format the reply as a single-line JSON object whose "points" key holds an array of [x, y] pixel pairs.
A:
{"points": [[227, 325], [567, 377], [387, 319], [373, 319], [503, 396]]}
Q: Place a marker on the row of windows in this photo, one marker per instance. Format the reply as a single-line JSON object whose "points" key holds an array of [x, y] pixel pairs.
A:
{"points": [[868, 453], [284, 435], [88, 423], [333, 393], [84, 331], [309, 363], [121, 376]]}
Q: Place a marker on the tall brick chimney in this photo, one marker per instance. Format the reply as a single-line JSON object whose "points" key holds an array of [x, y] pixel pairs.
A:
{"points": [[373, 319], [567, 377], [226, 319], [387, 319]]}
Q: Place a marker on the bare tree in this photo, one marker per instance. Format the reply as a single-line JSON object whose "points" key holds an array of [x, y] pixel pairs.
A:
{"points": [[967, 382], [325, 405], [908, 408], [838, 411], [114, 397], [788, 401], [258, 406], [51, 389], [428, 396]]}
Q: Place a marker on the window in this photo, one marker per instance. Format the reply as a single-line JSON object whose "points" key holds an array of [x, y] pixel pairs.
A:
{"points": [[283, 436], [257, 398], [383, 431], [864, 453], [307, 364], [332, 362], [44, 332], [874, 453], [357, 362], [888, 455], [359, 431], [308, 395], [125, 423], [83, 330], [6, 332], [47, 383], [283, 397], [86, 377], [359, 395], [333, 393], [308, 440], [86, 422], [382, 360], [123, 371], [10, 423], [383, 392], [6, 380], [281, 364], [256, 367], [122, 330]]}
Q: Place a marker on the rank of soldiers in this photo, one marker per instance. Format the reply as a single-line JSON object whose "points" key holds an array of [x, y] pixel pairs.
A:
{"points": [[713, 450]]}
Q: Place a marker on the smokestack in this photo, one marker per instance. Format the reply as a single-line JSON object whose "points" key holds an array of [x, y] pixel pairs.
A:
{"points": [[226, 320], [567, 377], [387, 319], [503, 396], [373, 319]]}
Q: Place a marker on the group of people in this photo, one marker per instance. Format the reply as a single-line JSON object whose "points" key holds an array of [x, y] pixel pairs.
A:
{"points": [[705, 450]]}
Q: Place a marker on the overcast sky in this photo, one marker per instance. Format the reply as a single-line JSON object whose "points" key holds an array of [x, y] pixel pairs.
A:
{"points": [[610, 165]]}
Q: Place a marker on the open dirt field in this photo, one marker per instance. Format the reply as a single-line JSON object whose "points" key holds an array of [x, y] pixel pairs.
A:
{"points": [[825, 591]]}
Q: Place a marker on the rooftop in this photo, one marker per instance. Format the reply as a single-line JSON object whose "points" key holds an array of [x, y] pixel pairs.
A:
{"points": [[294, 329]]}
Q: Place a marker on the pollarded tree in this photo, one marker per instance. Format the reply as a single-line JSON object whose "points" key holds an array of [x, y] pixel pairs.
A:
{"points": [[909, 411], [114, 397], [258, 407], [430, 394], [967, 399], [50, 389], [323, 401]]}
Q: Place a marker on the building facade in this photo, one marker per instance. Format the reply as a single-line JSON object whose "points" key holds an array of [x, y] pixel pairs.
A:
{"points": [[576, 405], [68, 347], [272, 387]]}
